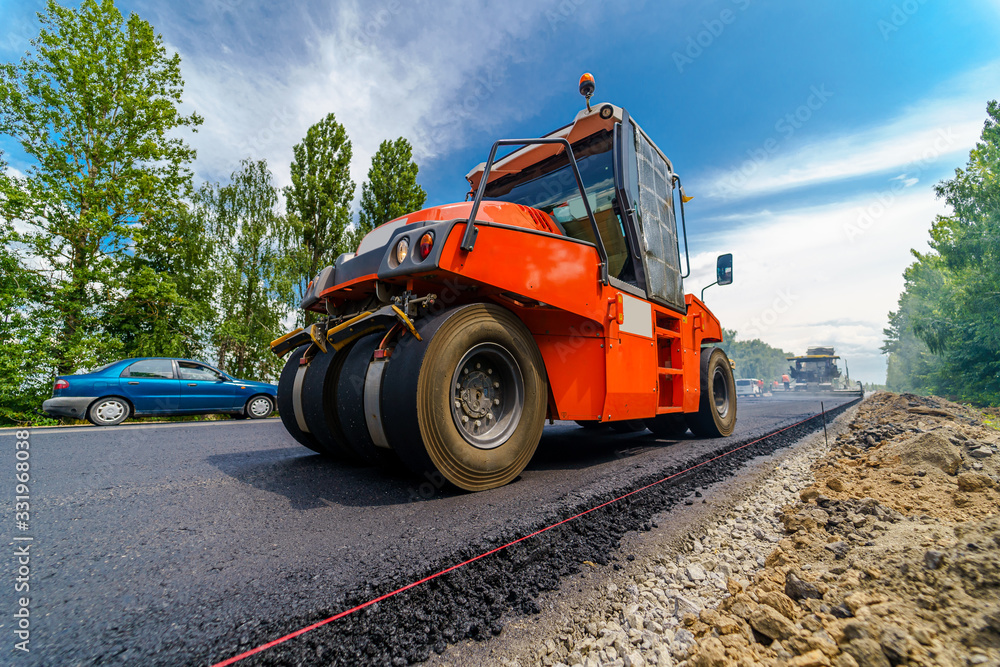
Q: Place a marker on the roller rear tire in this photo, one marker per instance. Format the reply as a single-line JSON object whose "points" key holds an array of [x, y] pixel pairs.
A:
{"points": [[319, 403], [670, 426], [351, 403], [469, 401], [716, 416], [286, 409], [629, 426]]}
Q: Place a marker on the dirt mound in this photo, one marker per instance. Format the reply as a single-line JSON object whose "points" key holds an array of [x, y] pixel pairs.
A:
{"points": [[909, 453], [926, 448], [891, 558]]}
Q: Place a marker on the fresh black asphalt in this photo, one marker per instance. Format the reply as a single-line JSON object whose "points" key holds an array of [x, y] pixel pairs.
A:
{"points": [[189, 543]]}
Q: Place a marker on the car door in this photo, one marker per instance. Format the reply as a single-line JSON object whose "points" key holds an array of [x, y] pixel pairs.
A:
{"points": [[151, 386], [204, 389]]}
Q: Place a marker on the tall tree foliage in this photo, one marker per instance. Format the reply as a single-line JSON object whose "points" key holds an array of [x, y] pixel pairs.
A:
{"points": [[391, 190], [170, 280], [319, 198], [94, 104], [945, 336], [255, 269], [25, 340]]}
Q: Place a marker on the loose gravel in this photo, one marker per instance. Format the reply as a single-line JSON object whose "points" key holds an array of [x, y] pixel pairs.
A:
{"points": [[637, 617], [880, 550]]}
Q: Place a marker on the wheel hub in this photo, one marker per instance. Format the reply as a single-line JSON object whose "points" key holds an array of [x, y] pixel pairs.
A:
{"points": [[477, 394], [259, 406], [487, 396], [110, 411], [720, 393]]}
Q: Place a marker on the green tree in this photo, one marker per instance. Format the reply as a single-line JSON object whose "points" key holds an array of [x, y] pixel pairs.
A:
{"points": [[26, 341], [319, 199], [255, 270], [94, 104], [391, 190], [170, 280], [951, 298], [912, 366], [754, 358]]}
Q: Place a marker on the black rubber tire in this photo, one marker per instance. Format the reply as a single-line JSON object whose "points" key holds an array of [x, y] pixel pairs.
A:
{"points": [[591, 424], [255, 399], [286, 411], [319, 403], [628, 426], [351, 403], [122, 412], [417, 387], [716, 416], [671, 426]]}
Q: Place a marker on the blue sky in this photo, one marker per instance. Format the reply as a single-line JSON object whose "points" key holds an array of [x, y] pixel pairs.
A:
{"points": [[810, 134]]}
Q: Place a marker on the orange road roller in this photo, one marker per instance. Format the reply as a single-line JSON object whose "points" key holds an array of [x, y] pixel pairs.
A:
{"points": [[556, 292]]}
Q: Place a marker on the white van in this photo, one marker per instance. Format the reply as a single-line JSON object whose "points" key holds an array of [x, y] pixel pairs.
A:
{"points": [[747, 387]]}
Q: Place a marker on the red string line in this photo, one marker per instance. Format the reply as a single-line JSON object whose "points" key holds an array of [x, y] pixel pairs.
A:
{"points": [[348, 612]]}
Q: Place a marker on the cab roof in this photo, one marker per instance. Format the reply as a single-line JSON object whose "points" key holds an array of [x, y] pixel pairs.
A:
{"points": [[585, 124]]}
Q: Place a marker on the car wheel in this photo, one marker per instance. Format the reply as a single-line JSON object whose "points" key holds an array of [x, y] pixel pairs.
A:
{"points": [[108, 411], [259, 407]]}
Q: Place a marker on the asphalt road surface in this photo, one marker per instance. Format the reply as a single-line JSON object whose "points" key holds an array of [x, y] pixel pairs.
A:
{"points": [[187, 543]]}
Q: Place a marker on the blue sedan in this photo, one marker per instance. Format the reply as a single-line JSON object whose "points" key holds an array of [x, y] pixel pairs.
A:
{"points": [[157, 386]]}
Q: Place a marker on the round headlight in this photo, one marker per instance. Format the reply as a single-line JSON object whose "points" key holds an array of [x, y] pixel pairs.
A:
{"points": [[402, 249], [607, 111]]}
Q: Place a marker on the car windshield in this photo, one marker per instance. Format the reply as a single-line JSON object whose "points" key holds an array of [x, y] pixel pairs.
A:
{"points": [[550, 186]]}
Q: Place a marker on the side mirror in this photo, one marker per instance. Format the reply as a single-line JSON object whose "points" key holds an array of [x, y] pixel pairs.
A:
{"points": [[724, 269]]}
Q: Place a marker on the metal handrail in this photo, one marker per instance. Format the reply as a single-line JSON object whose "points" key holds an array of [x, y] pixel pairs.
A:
{"points": [[471, 232], [684, 228]]}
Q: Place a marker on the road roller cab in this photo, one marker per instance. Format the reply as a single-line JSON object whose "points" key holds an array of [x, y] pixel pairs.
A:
{"points": [[454, 332]]}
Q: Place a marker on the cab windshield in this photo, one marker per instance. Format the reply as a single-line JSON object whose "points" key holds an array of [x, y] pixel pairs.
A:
{"points": [[550, 186]]}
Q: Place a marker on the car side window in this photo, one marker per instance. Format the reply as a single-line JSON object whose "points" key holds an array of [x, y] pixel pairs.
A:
{"points": [[196, 372], [151, 368]]}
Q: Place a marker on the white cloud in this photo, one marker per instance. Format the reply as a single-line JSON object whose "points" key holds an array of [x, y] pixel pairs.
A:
{"points": [[428, 71], [823, 275], [946, 124]]}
